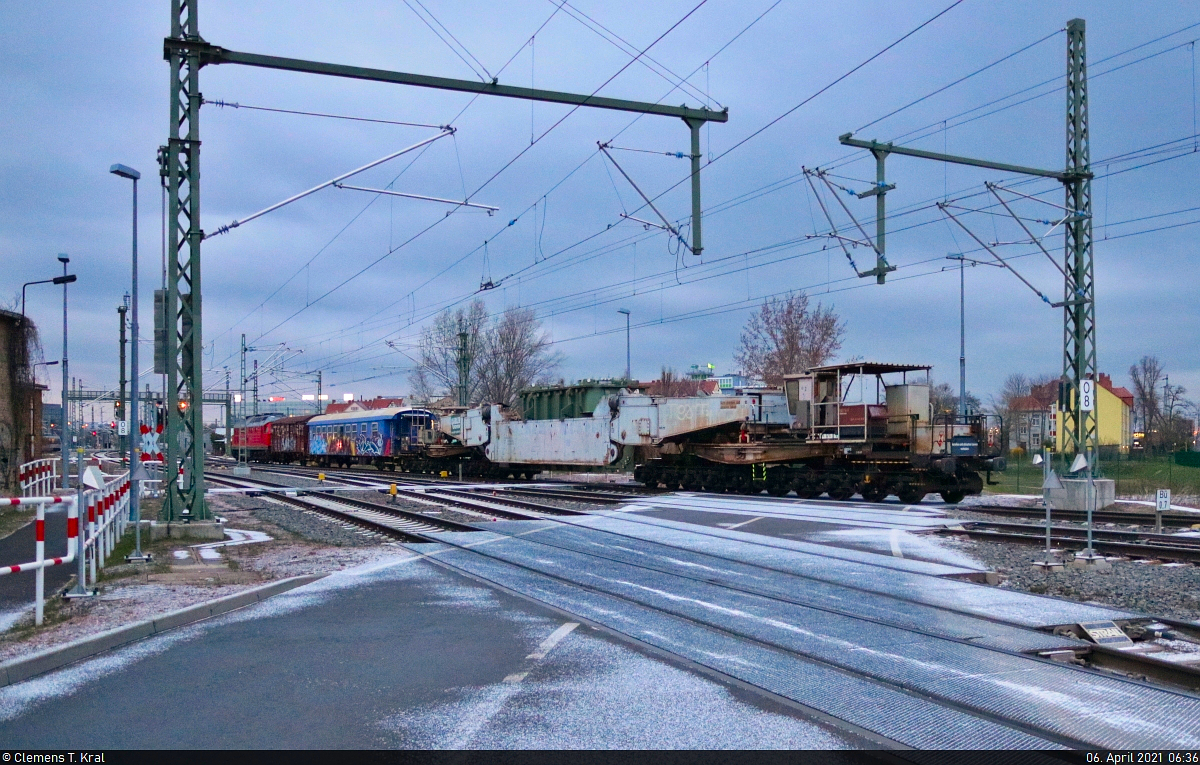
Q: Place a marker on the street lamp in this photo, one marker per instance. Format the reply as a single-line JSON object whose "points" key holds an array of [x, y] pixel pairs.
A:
{"points": [[136, 471], [626, 312], [55, 280], [962, 328]]}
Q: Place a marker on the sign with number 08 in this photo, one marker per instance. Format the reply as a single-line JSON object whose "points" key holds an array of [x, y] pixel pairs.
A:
{"points": [[1087, 395]]}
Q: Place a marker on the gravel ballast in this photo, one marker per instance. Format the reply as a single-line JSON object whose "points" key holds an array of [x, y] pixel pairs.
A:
{"points": [[1170, 590]]}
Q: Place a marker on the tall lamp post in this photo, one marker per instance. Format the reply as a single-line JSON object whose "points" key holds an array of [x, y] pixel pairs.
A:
{"points": [[136, 471], [626, 312], [962, 328]]}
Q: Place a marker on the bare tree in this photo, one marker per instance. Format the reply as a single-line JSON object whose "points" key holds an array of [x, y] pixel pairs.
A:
{"points": [[944, 399], [516, 354], [670, 383], [437, 368], [786, 336], [1176, 429], [1146, 375]]}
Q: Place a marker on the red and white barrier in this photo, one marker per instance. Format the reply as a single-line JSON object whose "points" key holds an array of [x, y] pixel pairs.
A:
{"points": [[39, 477], [40, 563], [107, 519]]}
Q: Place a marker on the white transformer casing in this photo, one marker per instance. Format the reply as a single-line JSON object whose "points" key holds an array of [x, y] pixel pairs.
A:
{"points": [[595, 441], [577, 441], [644, 420]]}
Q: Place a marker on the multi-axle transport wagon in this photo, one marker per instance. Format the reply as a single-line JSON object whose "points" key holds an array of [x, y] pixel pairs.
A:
{"points": [[862, 428]]}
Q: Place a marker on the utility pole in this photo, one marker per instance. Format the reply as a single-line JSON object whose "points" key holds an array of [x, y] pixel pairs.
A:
{"points": [[119, 405], [1079, 311], [243, 468], [256, 386], [186, 52], [464, 368], [319, 394], [185, 389], [228, 416], [627, 346]]}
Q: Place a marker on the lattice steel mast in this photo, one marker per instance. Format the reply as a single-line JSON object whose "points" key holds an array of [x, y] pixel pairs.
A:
{"points": [[187, 52], [1079, 306], [184, 499], [1079, 313]]}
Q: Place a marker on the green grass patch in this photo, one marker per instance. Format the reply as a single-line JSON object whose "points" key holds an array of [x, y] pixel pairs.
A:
{"points": [[1134, 478]]}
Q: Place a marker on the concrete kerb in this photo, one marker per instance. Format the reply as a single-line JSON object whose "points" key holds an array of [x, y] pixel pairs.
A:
{"points": [[16, 670]]}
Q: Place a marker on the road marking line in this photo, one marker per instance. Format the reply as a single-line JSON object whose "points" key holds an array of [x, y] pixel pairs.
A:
{"points": [[743, 523], [515, 677], [894, 537], [554, 639]]}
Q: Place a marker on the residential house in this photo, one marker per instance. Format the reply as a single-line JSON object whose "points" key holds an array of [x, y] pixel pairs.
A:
{"points": [[1031, 419], [1114, 417]]}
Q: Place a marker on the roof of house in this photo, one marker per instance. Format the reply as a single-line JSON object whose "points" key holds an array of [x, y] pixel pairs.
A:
{"points": [[1119, 392], [366, 404]]}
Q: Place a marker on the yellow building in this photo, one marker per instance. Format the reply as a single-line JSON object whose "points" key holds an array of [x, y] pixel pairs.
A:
{"points": [[1114, 416]]}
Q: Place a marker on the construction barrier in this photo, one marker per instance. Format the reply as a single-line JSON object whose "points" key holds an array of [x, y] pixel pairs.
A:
{"points": [[39, 477], [40, 563]]}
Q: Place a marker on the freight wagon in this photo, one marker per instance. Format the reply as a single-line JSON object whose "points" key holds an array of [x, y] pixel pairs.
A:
{"points": [[289, 440], [843, 429]]}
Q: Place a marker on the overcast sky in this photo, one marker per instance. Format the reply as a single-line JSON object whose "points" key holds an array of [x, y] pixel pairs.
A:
{"points": [[84, 85]]}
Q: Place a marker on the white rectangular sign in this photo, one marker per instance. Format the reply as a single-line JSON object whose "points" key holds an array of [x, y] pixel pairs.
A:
{"points": [[122, 427], [1162, 500], [1087, 395]]}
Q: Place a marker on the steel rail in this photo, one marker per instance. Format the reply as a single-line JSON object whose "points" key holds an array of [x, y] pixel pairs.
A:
{"points": [[278, 491], [1129, 549], [1104, 516]]}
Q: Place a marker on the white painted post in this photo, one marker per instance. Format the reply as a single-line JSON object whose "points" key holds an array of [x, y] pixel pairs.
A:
{"points": [[40, 558]]}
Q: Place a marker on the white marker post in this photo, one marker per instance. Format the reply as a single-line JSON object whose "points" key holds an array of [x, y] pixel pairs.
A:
{"points": [[1162, 504]]}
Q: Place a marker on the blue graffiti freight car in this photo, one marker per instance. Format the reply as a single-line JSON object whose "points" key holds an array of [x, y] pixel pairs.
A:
{"points": [[370, 436]]}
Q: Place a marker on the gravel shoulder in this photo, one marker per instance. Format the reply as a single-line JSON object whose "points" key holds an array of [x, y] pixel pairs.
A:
{"points": [[1171, 590]]}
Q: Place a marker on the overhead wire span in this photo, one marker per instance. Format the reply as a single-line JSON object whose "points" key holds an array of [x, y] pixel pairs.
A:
{"points": [[666, 224], [457, 203], [332, 182], [486, 183], [964, 78], [447, 42], [233, 105]]}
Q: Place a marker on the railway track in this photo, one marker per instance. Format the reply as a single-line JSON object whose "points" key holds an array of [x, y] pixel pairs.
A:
{"points": [[668, 568], [391, 522], [507, 508], [1131, 544], [1176, 520]]}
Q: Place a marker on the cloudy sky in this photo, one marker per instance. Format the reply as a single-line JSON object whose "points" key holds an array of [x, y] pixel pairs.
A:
{"points": [[344, 279]]}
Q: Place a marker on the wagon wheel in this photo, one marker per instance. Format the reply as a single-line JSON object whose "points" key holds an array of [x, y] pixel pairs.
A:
{"points": [[874, 492], [953, 497], [910, 495], [839, 489]]}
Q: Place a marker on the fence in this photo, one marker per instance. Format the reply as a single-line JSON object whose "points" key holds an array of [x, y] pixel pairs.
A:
{"points": [[105, 517], [38, 478], [40, 563]]}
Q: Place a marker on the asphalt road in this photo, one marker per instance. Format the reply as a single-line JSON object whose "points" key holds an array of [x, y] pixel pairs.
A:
{"points": [[407, 656], [16, 590]]}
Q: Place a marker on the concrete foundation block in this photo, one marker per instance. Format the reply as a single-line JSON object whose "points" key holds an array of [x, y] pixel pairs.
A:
{"points": [[1073, 494], [204, 530]]}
